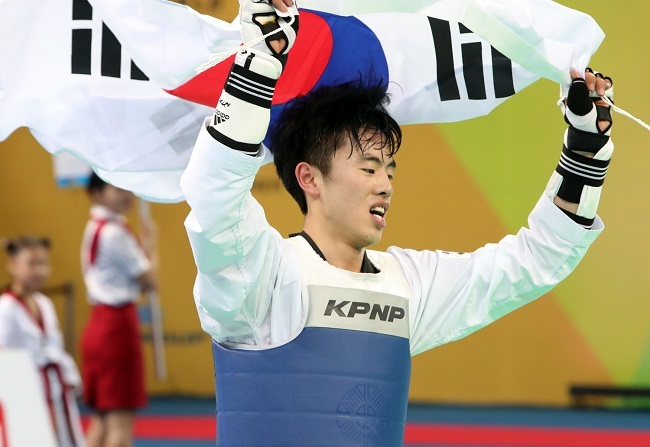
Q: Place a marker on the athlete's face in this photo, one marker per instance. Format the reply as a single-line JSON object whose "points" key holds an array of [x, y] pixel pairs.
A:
{"points": [[30, 268], [117, 200], [357, 194]]}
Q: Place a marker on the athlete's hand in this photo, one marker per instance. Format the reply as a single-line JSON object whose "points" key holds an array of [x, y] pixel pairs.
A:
{"points": [[585, 109], [260, 17]]}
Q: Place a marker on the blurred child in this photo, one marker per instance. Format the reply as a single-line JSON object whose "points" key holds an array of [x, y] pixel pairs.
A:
{"points": [[28, 321], [116, 270]]}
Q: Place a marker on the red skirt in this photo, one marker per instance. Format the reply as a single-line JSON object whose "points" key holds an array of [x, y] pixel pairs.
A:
{"points": [[112, 365]]}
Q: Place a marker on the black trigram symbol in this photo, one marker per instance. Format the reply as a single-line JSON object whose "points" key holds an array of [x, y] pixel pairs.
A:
{"points": [[472, 66], [111, 49]]}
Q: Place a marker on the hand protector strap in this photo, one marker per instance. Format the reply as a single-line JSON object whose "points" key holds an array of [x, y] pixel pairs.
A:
{"points": [[579, 179], [242, 115]]}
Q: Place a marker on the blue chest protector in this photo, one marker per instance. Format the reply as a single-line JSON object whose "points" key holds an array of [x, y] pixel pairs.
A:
{"points": [[328, 387]]}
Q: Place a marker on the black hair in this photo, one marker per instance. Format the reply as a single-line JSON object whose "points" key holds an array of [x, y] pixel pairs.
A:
{"points": [[95, 183], [314, 126], [15, 245]]}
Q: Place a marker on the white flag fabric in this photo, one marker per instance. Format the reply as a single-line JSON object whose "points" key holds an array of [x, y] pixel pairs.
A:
{"points": [[441, 60], [102, 109]]}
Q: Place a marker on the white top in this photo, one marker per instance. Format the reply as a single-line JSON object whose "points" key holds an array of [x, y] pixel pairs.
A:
{"points": [[19, 329], [112, 278], [252, 288]]}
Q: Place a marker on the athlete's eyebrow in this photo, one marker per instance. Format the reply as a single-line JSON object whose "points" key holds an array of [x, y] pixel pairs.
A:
{"points": [[374, 158]]}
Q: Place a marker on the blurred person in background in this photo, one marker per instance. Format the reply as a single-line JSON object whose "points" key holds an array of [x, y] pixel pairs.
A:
{"points": [[117, 268], [28, 321]]}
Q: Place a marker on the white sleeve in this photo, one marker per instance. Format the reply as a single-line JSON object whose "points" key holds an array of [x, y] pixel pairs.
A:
{"points": [[457, 294], [54, 349], [235, 249], [122, 247]]}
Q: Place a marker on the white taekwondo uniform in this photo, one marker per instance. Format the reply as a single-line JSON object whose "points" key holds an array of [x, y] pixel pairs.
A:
{"points": [[260, 295]]}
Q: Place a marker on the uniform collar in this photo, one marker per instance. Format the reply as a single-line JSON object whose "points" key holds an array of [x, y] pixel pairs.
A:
{"points": [[100, 212], [366, 265]]}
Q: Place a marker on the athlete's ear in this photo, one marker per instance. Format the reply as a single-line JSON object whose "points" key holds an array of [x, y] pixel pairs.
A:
{"points": [[309, 178]]}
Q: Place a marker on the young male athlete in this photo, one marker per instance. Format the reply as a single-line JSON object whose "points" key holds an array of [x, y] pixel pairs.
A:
{"points": [[313, 334]]}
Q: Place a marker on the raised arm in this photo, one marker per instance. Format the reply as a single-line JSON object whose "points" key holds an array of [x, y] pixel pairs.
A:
{"points": [[234, 247], [457, 294]]}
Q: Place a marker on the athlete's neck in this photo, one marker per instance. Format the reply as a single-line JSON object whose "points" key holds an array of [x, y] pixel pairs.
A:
{"points": [[336, 252]]}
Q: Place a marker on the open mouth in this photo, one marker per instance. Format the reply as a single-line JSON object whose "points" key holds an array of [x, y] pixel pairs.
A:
{"points": [[378, 211], [379, 215]]}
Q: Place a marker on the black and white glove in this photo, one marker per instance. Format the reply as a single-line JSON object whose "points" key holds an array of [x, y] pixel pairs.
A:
{"points": [[584, 109], [588, 148], [260, 17]]}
